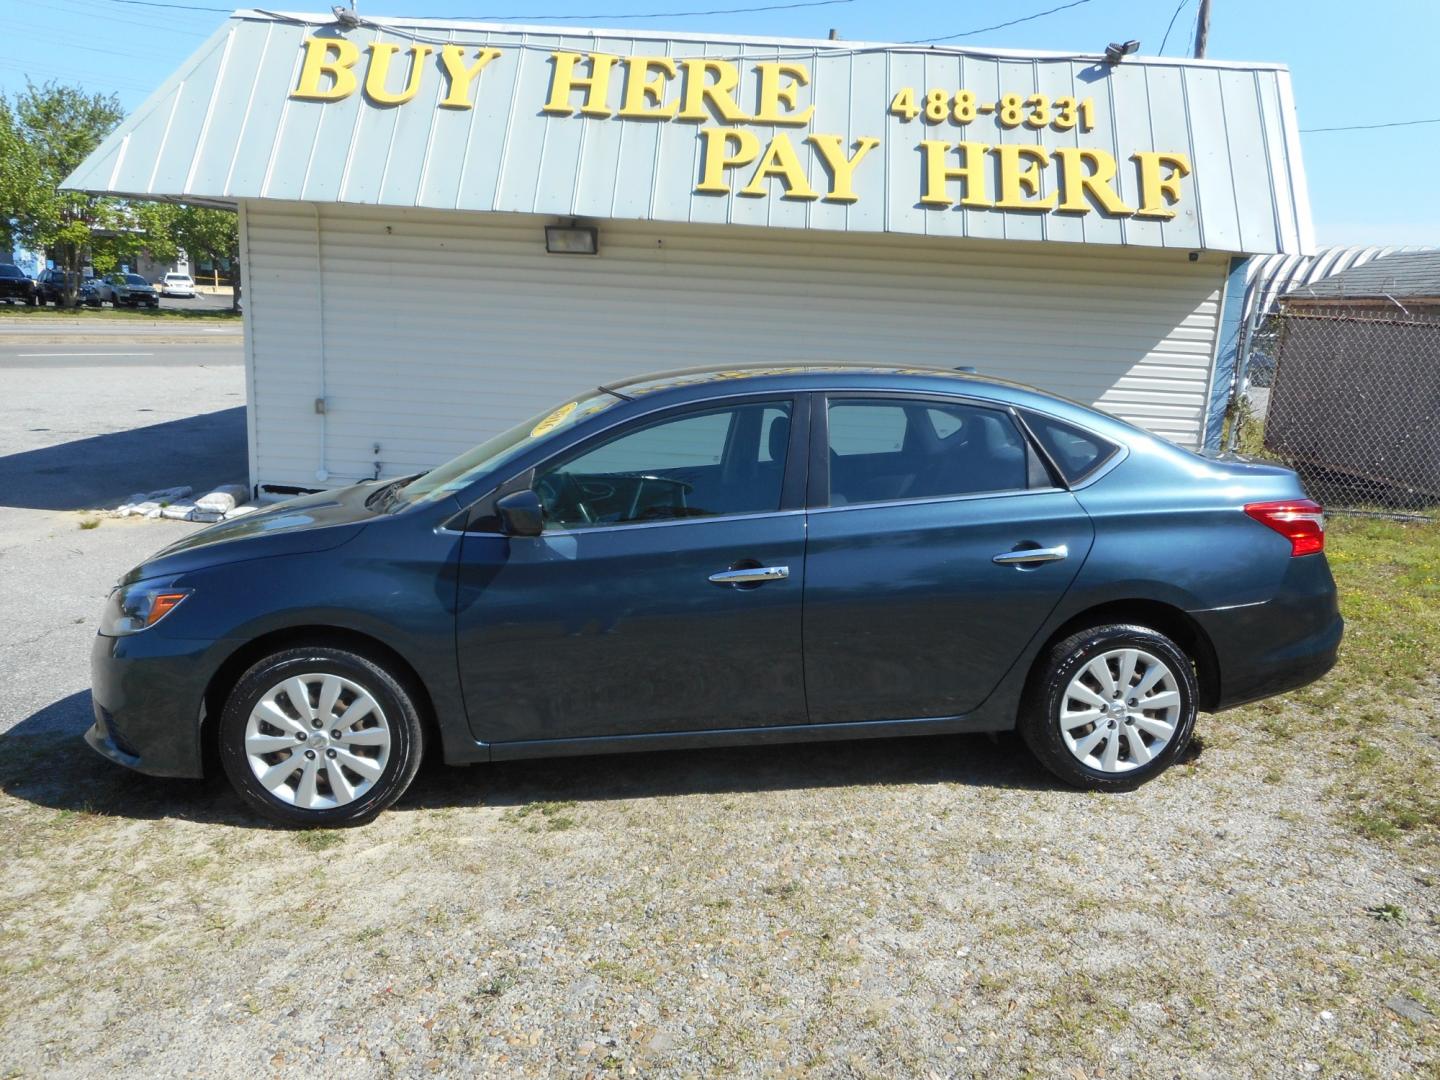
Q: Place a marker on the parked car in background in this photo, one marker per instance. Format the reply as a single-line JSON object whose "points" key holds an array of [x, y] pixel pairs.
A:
{"points": [[50, 287], [131, 290], [176, 284], [749, 555], [15, 285], [90, 293]]}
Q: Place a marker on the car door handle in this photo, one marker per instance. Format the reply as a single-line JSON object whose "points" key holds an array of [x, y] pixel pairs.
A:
{"points": [[753, 575], [1026, 556]]}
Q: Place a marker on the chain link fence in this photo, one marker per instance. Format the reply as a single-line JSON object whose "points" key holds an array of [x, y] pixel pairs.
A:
{"points": [[1351, 400]]}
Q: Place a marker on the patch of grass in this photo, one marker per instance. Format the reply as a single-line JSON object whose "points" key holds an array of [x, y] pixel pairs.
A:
{"points": [[90, 523], [542, 816], [319, 839], [1382, 690], [179, 314], [1386, 913], [496, 985], [786, 890]]}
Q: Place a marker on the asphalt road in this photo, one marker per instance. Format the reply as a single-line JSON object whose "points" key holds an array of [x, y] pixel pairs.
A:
{"points": [[17, 352], [81, 428]]}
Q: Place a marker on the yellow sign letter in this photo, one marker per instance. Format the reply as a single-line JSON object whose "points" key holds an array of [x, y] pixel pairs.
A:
{"points": [[842, 168], [774, 93], [644, 95], [716, 160], [1014, 180], [780, 161], [1090, 171], [460, 76], [972, 173], [381, 53], [564, 82], [720, 93], [327, 56], [1159, 193]]}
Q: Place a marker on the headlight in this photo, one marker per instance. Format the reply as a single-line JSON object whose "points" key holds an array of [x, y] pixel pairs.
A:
{"points": [[133, 608]]}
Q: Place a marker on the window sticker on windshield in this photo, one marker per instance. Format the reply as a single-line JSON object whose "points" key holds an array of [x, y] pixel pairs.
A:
{"points": [[554, 420]]}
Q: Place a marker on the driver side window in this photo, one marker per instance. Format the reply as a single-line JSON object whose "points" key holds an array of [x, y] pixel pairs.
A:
{"points": [[699, 464]]}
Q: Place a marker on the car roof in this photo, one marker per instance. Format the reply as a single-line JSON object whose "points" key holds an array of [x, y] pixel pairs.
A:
{"points": [[826, 375]]}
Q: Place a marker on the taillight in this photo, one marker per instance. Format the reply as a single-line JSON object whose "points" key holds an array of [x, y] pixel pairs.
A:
{"points": [[1301, 521]]}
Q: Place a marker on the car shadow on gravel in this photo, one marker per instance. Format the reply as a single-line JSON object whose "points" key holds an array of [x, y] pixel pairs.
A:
{"points": [[44, 761], [973, 760]]}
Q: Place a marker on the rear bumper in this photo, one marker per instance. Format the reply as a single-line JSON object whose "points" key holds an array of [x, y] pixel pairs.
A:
{"points": [[148, 695], [1279, 645]]}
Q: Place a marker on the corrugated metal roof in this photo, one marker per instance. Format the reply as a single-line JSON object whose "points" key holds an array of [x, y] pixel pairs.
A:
{"points": [[1274, 276], [1394, 277], [228, 126]]}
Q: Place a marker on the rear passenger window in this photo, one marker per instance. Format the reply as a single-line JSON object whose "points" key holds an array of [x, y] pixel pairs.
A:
{"points": [[888, 450], [868, 428], [1078, 452]]}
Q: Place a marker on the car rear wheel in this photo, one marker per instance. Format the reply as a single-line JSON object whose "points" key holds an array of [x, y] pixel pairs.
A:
{"points": [[1111, 707], [320, 737]]}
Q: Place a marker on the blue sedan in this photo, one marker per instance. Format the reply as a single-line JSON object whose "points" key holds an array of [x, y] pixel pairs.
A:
{"points": [[713, 557]]}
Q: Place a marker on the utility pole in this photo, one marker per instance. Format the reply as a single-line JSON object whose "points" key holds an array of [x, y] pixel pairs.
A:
{"points": [[1202, 29]]}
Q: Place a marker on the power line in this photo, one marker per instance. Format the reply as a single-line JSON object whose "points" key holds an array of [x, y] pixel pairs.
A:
{"points": [[658, 14], [548, 18], [1370, 127], [997, 26], [175, 7], [1171, 26], [89, 12]]}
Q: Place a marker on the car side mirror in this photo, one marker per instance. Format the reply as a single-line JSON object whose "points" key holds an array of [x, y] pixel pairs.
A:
{"points": [[521, 513]]}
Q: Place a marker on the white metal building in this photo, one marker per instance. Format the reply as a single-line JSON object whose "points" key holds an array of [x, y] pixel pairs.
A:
{"points": [[1059, 220]]}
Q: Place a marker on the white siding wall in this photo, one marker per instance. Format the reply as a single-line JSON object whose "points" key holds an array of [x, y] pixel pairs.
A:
{"points": [[428, 331]]}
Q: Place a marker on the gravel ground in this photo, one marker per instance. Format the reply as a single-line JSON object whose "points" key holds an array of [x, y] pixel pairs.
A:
{"points": [[901, 908], [910, 907]]}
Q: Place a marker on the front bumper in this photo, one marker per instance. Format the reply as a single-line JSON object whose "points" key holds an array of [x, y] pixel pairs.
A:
{"points": [[149, 695]]}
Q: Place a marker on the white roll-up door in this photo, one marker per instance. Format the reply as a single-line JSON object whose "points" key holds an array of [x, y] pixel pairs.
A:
{"points": [[425, 332]]}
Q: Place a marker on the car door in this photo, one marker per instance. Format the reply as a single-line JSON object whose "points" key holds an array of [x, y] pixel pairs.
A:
{"points": [[664, 594], [938, 545]]}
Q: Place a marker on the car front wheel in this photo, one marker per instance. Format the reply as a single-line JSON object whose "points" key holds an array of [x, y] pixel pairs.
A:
{"points": [[320, 736], [1111, 707]]}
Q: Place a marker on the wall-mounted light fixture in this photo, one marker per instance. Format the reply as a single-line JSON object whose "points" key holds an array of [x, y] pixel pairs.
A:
{"points": [[572, 239], [1118, 50]]}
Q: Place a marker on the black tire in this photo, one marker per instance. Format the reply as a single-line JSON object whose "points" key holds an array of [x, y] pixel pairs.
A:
{"points": [[1039, 721], [396, 701]]}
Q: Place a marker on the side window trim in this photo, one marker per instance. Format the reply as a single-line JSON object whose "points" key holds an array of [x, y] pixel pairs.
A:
{"points": [[1118, 450], [817, 496], [1057, 474]]}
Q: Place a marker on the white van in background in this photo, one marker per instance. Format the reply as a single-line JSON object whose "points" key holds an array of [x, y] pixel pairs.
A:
{"points": [[176, 284]]}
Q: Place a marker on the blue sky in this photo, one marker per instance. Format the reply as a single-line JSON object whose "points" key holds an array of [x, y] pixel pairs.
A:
{"points": [[1353, 63]]}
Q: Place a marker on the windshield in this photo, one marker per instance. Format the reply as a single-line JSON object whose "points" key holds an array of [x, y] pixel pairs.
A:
{"points": [[8, 271], [494, 453], [135, 279]]}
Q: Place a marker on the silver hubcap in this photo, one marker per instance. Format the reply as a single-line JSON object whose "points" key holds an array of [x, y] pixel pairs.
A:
{"points": [[1120, 710], [317, 741]]}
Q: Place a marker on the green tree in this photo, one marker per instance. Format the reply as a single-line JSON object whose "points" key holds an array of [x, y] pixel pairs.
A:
{"points": [[55, 127], [19, 177], [207, 234]]}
